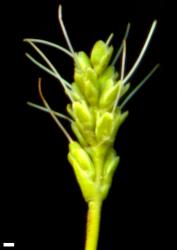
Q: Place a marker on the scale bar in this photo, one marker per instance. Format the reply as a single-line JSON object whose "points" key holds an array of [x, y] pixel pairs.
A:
{"points": [[8, 244]]}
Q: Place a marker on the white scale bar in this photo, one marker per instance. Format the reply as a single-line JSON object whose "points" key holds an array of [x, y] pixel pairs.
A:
{"points": [[8, 244]]}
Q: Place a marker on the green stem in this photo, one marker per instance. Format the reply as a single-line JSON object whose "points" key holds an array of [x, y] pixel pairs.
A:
{"points": [[93, 224]]}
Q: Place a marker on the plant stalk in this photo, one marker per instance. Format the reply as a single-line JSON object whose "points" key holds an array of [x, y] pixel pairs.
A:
{"points": [[93, 224]]}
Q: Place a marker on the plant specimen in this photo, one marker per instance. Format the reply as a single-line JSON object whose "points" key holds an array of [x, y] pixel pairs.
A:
{"points": [[98, 96]]}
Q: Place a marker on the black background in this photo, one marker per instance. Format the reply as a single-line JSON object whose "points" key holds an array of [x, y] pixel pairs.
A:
{"points": [[41, 204]]}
